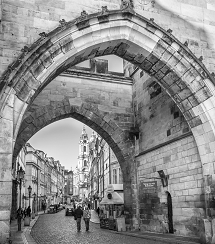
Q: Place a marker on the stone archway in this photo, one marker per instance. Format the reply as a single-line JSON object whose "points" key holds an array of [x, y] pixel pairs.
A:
{"points": [[123, 33], [88, 114]]}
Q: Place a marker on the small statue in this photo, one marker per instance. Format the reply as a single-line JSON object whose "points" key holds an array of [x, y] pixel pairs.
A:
{"points": [[201, 58], [104, 10], [83, 16], [25, 49], [127, 4], [186, 44], [62, 22], [43, 34]]}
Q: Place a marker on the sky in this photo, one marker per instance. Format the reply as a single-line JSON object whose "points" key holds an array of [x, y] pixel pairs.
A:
{"points": [[60, 141]]}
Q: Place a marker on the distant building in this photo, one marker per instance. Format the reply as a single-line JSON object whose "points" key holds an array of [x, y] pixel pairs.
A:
{"points": [[68, 187], [104, 169], [43, 174]]}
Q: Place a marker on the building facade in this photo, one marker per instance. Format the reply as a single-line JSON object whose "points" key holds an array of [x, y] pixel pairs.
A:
{"points": [[43, 174], [104, 170], [68, 187]]}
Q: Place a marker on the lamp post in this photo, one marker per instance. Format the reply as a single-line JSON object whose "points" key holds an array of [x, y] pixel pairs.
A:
{"points": [[29, 194], [33, 207], [20, 177]]}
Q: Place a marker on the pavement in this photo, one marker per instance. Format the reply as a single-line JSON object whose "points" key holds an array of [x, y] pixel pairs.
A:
{"points": [[41, 235], [23, 236], [94, 217]]}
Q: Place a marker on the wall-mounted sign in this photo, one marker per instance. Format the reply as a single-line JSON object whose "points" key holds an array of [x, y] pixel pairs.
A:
{"points": [[109, 196], [207, 189], [149, 184]]}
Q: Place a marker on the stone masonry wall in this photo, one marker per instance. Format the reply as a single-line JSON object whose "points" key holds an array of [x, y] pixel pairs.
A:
{"points": [[22, 21], [156, 114], [166, 143], [181, 162], [108, 95]]}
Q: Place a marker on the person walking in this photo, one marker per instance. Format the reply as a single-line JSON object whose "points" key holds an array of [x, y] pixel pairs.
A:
{"points": [[86, 217], [77, 215], [28, 211], [44, 206], [25, 212], [19, 213], [98, 211]]}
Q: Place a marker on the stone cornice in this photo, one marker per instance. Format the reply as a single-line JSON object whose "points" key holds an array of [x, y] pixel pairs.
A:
{"points": [[32, 163], [95, 76]]}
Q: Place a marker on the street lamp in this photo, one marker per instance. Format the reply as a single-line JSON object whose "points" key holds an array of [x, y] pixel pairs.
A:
{"points": [[29, 193], [33, 207], [20, 177]]}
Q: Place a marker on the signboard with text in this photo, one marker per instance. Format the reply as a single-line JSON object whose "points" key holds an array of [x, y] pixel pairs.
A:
{"points": [[149, 184]]}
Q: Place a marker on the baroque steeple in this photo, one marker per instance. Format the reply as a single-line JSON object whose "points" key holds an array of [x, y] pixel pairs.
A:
{"points": [[84, 135]]}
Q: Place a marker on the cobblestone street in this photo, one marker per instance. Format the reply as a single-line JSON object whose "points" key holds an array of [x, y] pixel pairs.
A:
{"points": [[60, 229]]}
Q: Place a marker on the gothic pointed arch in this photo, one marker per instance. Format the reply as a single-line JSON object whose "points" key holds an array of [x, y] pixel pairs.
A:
{"points": [[129, 36]]}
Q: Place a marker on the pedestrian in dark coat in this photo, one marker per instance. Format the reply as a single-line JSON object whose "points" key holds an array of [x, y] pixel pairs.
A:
{"points": [[28, 211], [25, 212], [78, 213], [19, 213], [98, 211]]}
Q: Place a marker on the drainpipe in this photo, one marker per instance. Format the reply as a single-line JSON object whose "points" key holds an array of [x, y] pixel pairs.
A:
{"points": [[137, 196], [103, 193], [109, 166]]}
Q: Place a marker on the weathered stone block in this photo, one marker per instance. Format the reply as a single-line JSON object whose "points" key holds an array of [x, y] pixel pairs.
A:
{"points": [[46, 59], [160, 48], [31, 81], [66, 44], [36, 68], [4, 231], [55, 50]]}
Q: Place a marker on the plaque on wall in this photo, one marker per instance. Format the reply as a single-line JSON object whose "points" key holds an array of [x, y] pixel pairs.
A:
{"points": [[149, 184]]}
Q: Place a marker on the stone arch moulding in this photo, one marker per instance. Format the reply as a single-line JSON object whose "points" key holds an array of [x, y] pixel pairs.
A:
{"points": [[132, 37], [87, 113]]}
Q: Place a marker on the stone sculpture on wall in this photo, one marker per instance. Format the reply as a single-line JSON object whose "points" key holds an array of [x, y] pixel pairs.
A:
{"points": [[126, 4]]}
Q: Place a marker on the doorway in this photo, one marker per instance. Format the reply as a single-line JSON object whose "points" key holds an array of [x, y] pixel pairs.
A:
{"points": [[169, 208]]}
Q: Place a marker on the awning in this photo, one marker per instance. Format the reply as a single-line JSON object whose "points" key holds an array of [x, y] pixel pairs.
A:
{"points": [[116, 199]]}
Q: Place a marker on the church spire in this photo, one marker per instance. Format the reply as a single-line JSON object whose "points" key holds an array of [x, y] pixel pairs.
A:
{"points": [[84, 135], [84, 130]]}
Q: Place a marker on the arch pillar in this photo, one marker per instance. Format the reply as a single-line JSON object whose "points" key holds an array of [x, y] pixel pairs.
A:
{"points": [[6, 149]]}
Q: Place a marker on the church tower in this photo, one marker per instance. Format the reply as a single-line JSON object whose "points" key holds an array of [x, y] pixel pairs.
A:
{"points": [[83, 160]]}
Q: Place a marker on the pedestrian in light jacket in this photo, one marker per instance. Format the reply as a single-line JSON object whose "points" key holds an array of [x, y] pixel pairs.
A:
{"points": [[78, 213], [86, 217]]}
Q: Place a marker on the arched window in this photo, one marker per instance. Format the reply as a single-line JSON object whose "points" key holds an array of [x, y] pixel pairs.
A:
{"points": [[85, 149], [85, 162]]}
